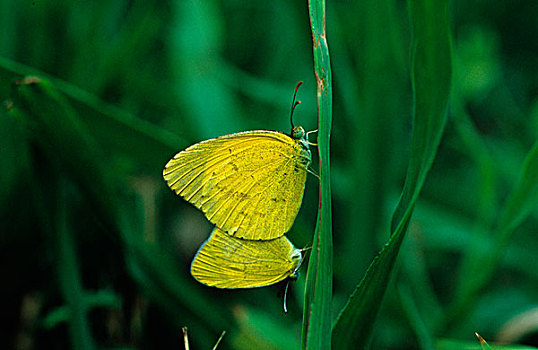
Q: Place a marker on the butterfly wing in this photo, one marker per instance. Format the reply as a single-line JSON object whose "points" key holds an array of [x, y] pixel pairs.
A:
{"points": [[249, 184], [224, 261]]}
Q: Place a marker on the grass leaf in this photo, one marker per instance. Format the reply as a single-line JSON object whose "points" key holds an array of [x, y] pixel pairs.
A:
{"points": [[318, 291], [70, 278], [112, 127], [431, 78], [479, 267]]}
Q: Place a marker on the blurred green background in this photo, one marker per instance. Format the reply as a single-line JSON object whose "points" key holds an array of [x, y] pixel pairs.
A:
{"points": [[95, 250]]}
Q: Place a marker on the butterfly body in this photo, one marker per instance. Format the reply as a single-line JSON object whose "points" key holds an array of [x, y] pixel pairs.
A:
{"points": [[250, 184], [224, 261]]}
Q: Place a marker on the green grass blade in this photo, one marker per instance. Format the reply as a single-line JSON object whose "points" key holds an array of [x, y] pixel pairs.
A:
{"points": [[55, 126], [377, 75], [479, 269], [431, 78], [70, 278], [317, 314], [451, 344], [416, 320], [522, 200], [111, 126], [100, 299], [157, 274], [14, 153]]}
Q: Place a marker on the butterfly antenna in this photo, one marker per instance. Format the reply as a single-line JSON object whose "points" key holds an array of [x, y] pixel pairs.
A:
{"points": [[218, 341], [285, 297], [294, 103], [185, 338]]}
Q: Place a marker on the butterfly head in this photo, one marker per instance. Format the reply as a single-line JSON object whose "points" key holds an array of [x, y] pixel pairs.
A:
{"points": [[297, 258], [298, 133]]}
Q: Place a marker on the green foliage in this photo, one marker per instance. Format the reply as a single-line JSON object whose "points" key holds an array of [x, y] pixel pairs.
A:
{"points": [[431, 75], [445, 344], [318, 291], [97, 96]]}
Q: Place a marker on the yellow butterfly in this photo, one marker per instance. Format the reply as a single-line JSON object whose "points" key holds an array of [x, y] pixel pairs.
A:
{"points": [[250, 184], [224, 261]]}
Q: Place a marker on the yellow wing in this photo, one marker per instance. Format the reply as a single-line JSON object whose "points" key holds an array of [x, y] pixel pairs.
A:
{"points": [[224, 261], [249, 184]]}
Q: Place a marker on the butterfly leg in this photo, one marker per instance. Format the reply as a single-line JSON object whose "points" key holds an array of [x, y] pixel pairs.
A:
{"points": [[307, 141], [313, 172]]}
